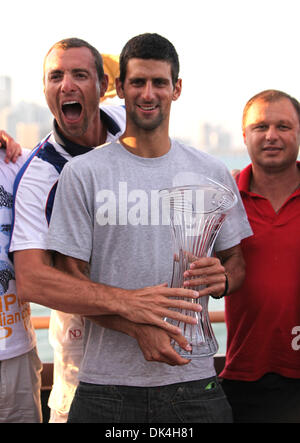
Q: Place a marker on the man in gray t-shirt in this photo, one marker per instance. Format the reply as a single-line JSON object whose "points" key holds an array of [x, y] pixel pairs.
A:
{"points": [[106, 216]]}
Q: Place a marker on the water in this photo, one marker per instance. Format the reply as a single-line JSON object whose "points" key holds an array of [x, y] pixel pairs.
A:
{"points": [[45, 351]]}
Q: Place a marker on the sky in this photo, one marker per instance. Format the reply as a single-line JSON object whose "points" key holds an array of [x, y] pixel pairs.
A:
{"points": [[229, 50]]}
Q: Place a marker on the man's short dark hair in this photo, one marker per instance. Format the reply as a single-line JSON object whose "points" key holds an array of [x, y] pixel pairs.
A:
{"points": [[149, 47], [74, 42], [270, 95]]}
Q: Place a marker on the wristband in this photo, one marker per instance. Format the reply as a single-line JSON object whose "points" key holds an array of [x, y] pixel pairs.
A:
{"points": [[225, 291]]}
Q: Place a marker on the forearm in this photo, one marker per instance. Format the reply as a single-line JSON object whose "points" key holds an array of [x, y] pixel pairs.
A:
{"points": [[116, 323], [68, 289], [154, 342], [234, 265], [39, 282]]}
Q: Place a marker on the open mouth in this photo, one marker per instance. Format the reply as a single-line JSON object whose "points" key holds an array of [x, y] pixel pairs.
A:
{"points": [[72, 110]]}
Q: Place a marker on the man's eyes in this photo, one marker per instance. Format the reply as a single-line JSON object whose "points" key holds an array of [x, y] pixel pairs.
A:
{"points": [[55, 76], [284, 127], [260, 127], [264, 127], [159, 83], [80, 75], [137, 82]]}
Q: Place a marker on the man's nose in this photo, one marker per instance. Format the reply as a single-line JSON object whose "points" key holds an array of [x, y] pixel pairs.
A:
{"points": [[148, 92], [67, 84], [272, 133]]}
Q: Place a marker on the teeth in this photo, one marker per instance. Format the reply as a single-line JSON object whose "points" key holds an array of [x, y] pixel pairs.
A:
{"points": [[147, 108], [70, 103]]}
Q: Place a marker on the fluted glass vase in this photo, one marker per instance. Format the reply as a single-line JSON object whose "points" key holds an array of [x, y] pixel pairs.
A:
{"points": [[197, 213]]}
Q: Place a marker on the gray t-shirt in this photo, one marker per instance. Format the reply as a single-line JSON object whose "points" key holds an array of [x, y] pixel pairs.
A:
{"points": [[105, 213]]}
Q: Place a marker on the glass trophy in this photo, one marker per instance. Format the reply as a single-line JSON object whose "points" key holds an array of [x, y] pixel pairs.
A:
{"points": [[197, 213]]}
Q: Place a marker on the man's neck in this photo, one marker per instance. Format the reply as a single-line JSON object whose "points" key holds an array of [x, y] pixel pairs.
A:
{"points": [[147, 144], [275, 186], [96, 135]]}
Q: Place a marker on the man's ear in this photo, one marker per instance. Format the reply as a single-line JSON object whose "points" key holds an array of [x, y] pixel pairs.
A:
{"points": [[103, 85], [177, 89], [119, 88]]}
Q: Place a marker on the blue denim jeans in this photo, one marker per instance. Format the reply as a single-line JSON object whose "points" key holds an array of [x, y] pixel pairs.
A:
{"points": [[191, 402]]}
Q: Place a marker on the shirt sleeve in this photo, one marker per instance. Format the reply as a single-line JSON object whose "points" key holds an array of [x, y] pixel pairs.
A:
{"points": [[32, 189], [71, 226], [236, 226]]}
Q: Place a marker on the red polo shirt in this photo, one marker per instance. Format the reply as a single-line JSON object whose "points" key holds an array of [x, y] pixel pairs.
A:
{"points": [[262, 315]]}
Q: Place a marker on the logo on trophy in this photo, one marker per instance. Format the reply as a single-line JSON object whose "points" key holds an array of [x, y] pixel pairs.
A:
{"points": [[197, 214]]}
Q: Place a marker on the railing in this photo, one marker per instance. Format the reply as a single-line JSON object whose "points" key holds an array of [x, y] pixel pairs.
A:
{"points": [[40, 322], [43, 322]]}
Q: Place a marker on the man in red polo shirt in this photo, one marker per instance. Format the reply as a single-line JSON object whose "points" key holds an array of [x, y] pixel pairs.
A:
{"points": [[262, 372]]}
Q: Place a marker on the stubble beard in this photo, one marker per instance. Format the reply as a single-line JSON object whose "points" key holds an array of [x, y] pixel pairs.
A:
{"points": [[70, 131], [147, 125]]}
